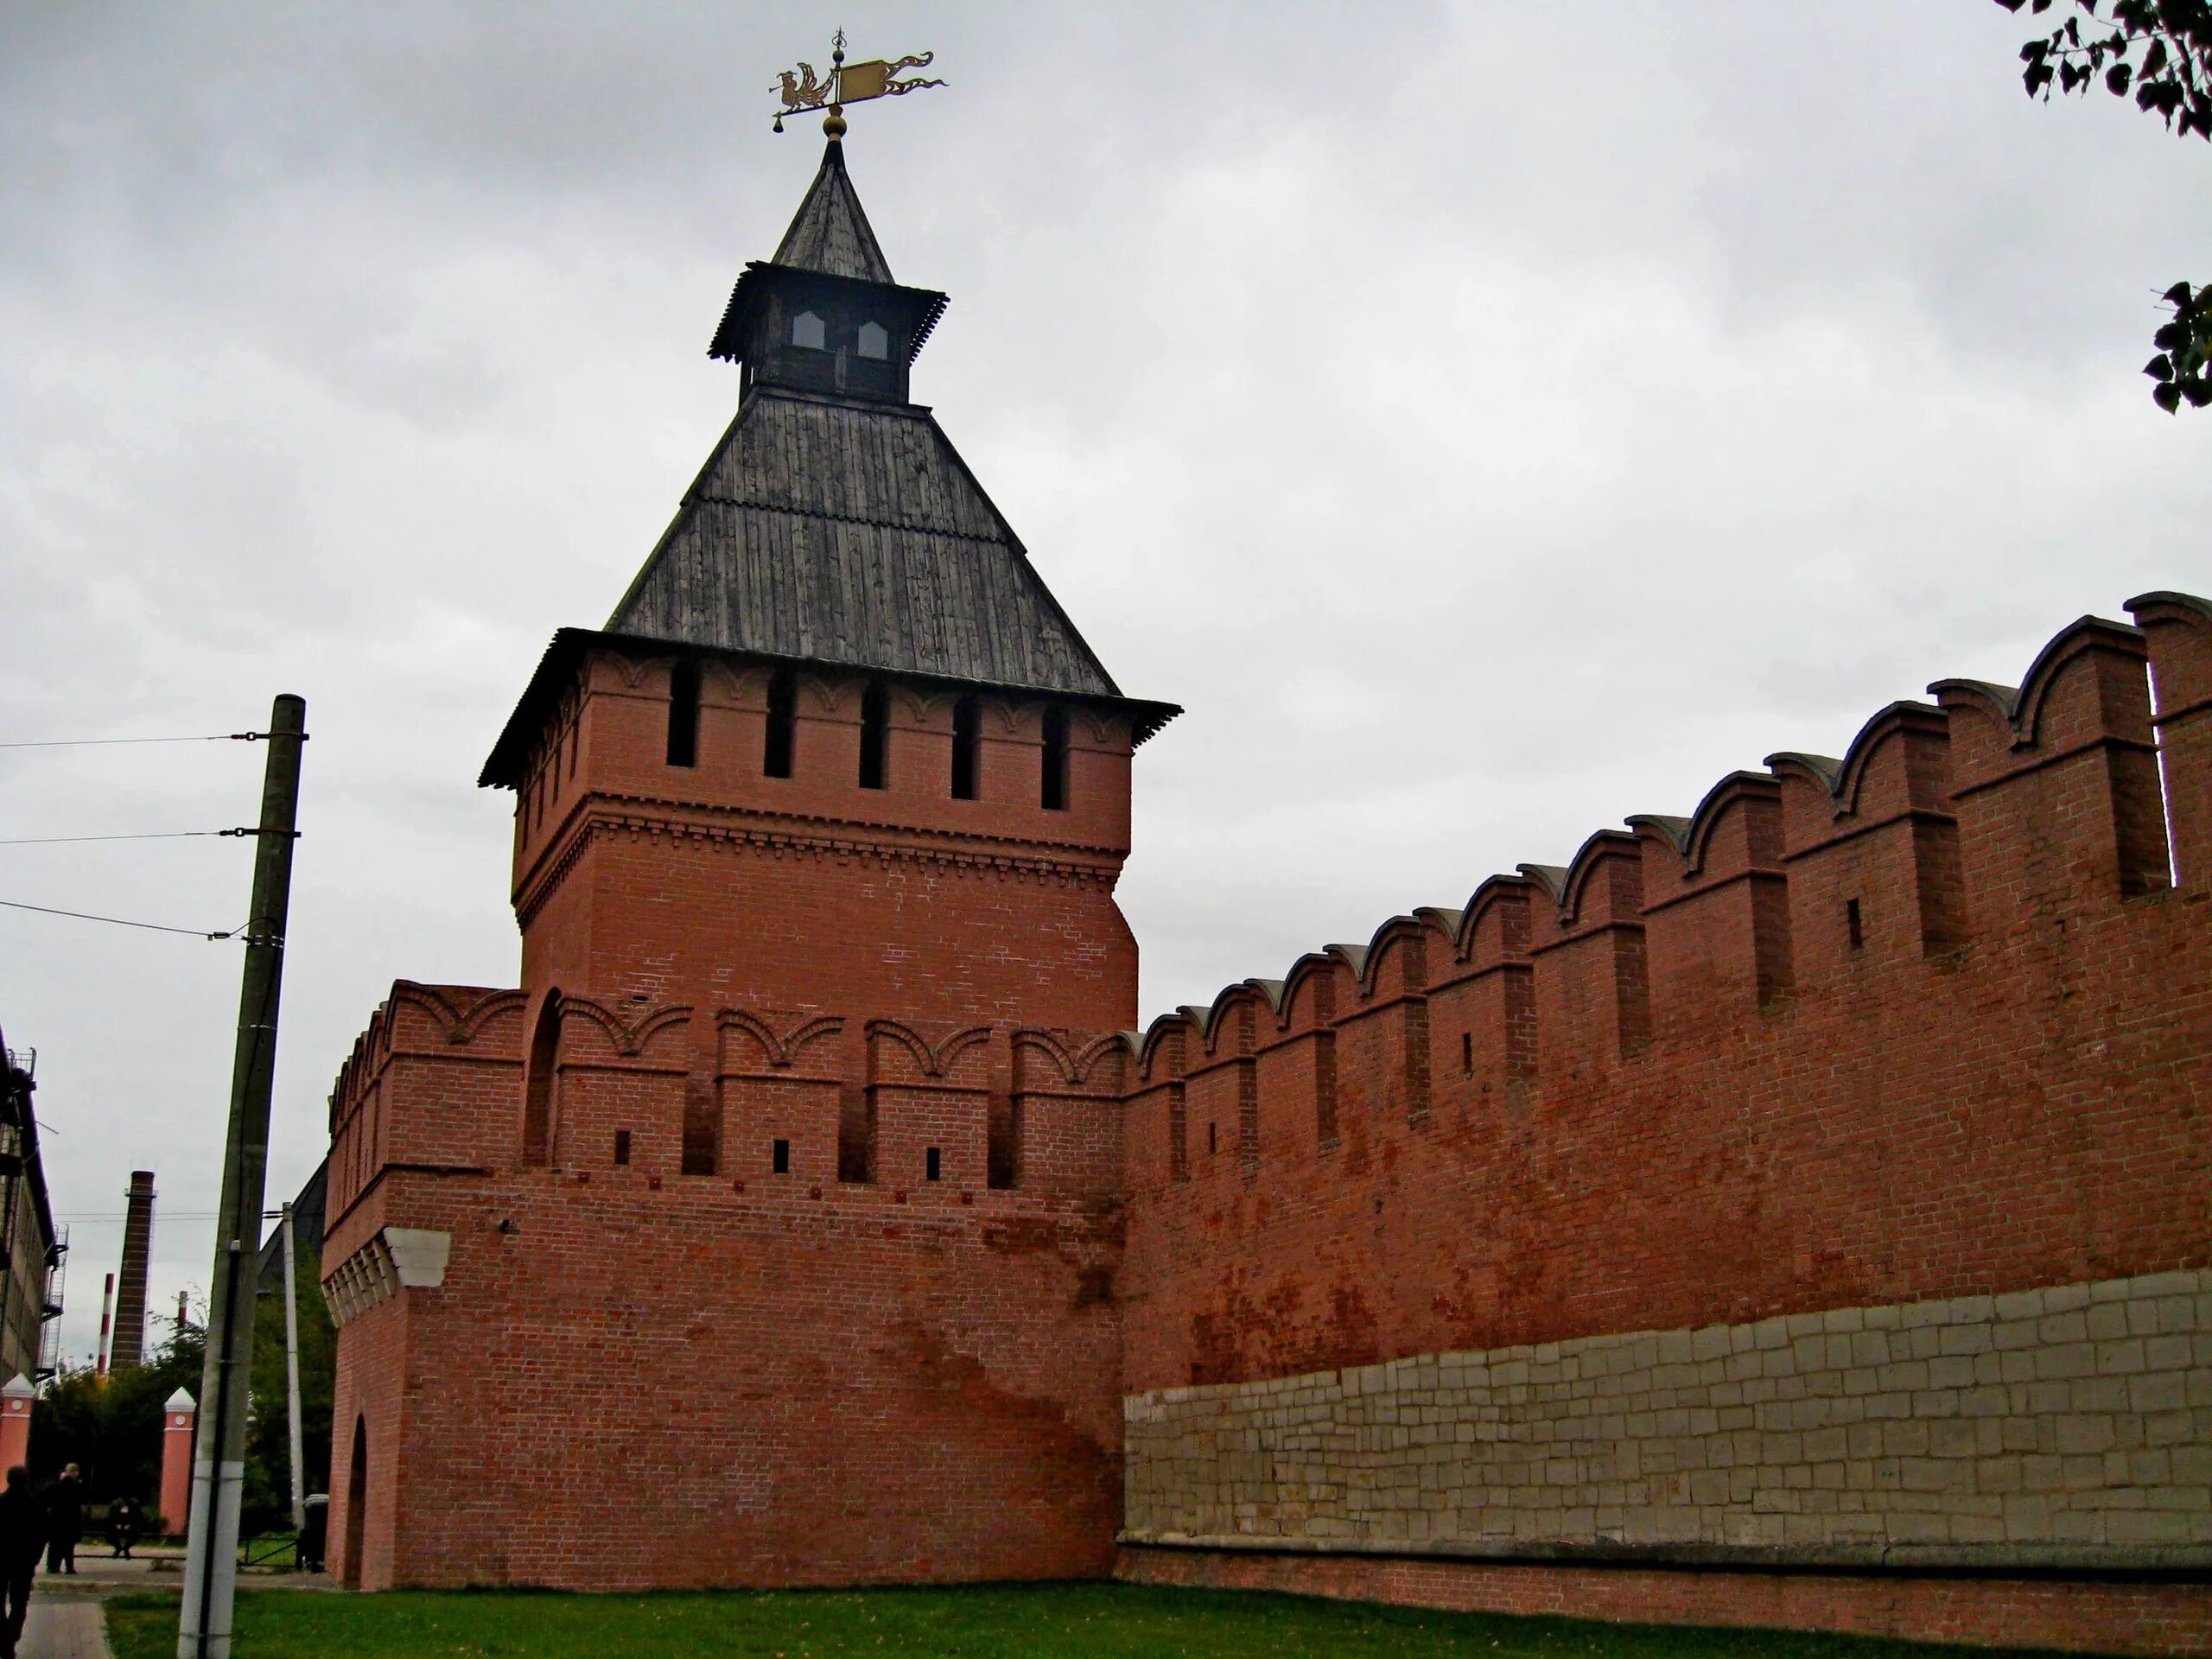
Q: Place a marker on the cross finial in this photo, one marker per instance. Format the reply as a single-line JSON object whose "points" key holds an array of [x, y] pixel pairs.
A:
{"points": [[846, 83]]}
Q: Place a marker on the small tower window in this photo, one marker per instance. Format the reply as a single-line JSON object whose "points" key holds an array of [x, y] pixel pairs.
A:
{"points": [[873, 341], [783, 722], [779, 1157], [807, 331], [933, 1163], [1053, 790], [875, 733], [966, 742], [684, 715], [1854, 925], [538, 1092]]}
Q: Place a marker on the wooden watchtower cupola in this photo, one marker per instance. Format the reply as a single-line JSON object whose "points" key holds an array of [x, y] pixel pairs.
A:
{"points": [[824, 315], [838, 745]]}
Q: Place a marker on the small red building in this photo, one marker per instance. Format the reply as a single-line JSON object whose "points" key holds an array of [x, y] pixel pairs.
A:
{"points": [[1793, 1212]]}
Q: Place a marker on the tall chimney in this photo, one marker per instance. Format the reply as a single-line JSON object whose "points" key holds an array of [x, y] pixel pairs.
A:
{"points": [[107, 1323], [128, 1347]]}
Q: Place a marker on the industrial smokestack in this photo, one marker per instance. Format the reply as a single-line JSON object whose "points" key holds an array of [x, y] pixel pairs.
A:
{"points": [[128, 1346], [107, 1323]]}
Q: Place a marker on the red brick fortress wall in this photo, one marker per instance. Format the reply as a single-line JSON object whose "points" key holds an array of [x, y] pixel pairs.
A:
{"points": [[1820, 1177], [633, 1377], [635, 878], [1663, 1087], [594, 1336]]}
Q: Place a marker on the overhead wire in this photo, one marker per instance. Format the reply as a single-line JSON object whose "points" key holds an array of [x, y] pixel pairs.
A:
{"points": [[157, 835], [120, 921], [99, 742]]}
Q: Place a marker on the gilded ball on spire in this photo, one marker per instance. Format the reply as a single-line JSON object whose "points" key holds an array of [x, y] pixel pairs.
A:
{"points": [[834, 125]]}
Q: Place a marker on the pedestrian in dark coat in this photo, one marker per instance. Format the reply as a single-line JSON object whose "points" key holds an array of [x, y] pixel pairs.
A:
{"points": [[23, 1535], [124, 1524], [65, 1521]]}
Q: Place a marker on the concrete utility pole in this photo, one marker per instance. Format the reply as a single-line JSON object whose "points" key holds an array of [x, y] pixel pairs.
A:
{"points": [[218, 1460], [292, 1379]]}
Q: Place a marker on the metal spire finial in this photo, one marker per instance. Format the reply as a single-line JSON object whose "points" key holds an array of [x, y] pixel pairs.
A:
{"points": [[846, 83]]}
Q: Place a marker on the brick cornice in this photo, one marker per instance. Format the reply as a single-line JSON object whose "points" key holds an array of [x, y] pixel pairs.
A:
{"points": [[604, 816]]}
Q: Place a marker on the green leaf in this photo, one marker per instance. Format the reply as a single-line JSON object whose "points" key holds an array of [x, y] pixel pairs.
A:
{"points": [[2167, 397], [2159, 367]]}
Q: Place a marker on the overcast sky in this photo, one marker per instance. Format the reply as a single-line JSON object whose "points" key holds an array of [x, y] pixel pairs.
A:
{"points": [[1489, 420]]}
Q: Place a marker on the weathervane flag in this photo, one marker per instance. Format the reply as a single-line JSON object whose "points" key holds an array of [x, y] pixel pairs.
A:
{"points": [[846, 83]]}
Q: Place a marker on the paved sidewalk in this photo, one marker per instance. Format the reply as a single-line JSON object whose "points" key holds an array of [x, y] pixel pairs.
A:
{"points": [[65, 1621], [63, 1628]]}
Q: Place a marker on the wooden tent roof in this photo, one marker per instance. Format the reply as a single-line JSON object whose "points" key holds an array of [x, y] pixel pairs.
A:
{"points": [[830, 233], [854, 534]]}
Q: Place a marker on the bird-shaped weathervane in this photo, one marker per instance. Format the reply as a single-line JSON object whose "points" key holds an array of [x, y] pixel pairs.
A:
{"points": [[846, 83]]}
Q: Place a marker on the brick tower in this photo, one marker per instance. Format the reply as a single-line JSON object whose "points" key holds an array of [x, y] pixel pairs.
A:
{"points": [[767, 1232]]}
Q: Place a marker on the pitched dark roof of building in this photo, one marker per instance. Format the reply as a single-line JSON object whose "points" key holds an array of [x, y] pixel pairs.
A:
{"points": [[830, 232], [855, 535]]}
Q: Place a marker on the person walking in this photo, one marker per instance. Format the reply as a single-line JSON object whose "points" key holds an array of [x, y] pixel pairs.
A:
{"points": [[124, 1524], [65, 1521], [22, 1534]]}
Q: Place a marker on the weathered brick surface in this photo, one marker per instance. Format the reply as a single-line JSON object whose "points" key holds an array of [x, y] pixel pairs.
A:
{"points": [[2067, 1427], [1668, 1086], [655, 1360]]}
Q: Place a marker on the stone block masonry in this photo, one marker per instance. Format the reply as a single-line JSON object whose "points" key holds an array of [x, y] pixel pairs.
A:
{"points": [[2068, 1428]]}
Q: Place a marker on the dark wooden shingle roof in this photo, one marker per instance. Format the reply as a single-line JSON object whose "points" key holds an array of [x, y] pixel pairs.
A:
{"points": [[855, 535], [830, 231]]}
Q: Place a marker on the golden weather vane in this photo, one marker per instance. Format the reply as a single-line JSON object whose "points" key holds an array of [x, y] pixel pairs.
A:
{"points": [[846, 83]]}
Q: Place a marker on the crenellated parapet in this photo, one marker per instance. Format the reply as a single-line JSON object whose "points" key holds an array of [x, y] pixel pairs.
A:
{"points": [[447, 1080], [1877, 1023]]}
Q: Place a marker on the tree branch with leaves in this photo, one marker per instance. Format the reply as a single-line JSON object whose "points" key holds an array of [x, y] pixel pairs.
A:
{"points": [[2160, 52]]}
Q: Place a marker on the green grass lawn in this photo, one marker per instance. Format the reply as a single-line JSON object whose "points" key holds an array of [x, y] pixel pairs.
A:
{"points": [[1097, 1620]]}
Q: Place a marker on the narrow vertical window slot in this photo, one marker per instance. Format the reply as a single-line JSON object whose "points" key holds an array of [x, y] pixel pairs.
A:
{"points": [[933, 1163], [1853, 926], [875, 733], [856, 1134], [1002, 1143], [699, 1153], [538, 1093], [1325, 1087], [684, 715], [779, 1157], [966, 741], [783, 721], [1467, 1053], [621, 1147], [1053, 791]]}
